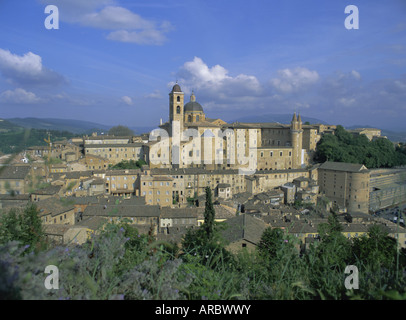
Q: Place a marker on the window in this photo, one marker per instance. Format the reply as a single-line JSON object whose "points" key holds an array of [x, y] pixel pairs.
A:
{"points": [[178, 110], [178, 98], [197, 118]]}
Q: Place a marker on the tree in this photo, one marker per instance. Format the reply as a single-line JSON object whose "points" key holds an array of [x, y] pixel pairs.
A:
{"points": [[344, 147], [25, 227], [120, 131], [272, 242], [131, 164], [377, 249], [209, 215], [206, 240]]}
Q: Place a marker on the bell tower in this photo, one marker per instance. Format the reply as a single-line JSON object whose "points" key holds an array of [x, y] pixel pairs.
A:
{"points": [[176, 105], [296, 132]]}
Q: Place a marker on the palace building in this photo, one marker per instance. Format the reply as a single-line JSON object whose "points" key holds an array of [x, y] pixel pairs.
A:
{"points": [[189, 139]]}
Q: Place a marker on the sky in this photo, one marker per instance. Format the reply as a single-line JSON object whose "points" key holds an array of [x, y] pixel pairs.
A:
{"points": [[115, 61]]}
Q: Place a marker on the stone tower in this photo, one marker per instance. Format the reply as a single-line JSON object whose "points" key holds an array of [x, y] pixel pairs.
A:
{"points": [[297, 138], [176, 105]]}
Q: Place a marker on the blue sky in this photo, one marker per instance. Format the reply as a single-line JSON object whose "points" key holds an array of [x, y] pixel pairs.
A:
{"points": [[115, 61]]}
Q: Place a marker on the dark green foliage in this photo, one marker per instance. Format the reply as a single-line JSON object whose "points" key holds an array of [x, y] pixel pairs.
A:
{"points": [[206, 238], [120, 131], [120, 263], [24, 227], [344, 147], [209, 215], [378, 248], [129, 164], [272, 241]]}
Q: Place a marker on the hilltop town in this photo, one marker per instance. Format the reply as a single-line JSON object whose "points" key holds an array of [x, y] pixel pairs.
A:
{"points": [[261, 175]]}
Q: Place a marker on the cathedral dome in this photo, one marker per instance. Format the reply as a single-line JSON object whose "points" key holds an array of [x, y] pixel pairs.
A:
{"points": [[193, 106]]}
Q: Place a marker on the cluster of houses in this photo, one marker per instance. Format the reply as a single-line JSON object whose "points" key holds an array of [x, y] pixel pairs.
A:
{"points": [[77, 188]]}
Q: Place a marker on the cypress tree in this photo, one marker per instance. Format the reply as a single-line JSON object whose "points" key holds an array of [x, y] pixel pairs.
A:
{"points": [[209, 214]]}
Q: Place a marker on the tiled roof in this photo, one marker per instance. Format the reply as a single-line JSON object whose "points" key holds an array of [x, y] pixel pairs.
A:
{"points": [[14, 172], [244, 227], [343, 166], [122, 210]]}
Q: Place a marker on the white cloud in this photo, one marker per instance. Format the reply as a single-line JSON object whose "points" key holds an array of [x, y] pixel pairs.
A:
{"points": [[112, 18], [293, 80], [356, 74], [145, 37], [123, 24], [154, 95], [27, 69], [127, 100], [19, 96], [215, 80]]}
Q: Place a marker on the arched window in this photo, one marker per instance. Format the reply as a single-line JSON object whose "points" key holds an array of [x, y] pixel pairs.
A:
{"points": [[197, 118], [178, 109], [189, 118], [178, 98]]}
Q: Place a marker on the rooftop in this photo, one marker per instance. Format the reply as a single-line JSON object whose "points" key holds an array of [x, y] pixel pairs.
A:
{"points": [[14, 172], [343, 166]]}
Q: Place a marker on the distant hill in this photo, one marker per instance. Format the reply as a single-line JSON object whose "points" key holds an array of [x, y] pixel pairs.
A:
{"points": [[74, 126], [281, 118], [70, 125], [7, 126]]}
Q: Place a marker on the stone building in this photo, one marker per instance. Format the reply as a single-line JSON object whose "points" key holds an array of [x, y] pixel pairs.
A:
{"points": [[115, 152], [345, 184], [387, 188], [191, 139], [14, 179]]}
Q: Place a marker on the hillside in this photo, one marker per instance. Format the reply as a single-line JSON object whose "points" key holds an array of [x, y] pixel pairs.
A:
{"points": [[71, 125], [17, 139], [7, 126], [74, 126]]}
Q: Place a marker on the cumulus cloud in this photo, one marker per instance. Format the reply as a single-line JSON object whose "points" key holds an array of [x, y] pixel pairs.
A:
{"points": [[123, 24], [293, 80], [27, 69], [19, 96], [127, 100], [112, 17], [215, 80]]}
